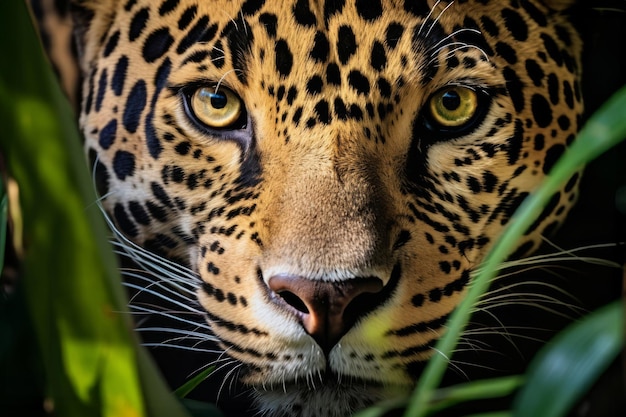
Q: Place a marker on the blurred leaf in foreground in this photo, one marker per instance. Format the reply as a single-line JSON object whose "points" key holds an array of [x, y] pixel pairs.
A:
{"points": [[568, 366], [69, 271]]}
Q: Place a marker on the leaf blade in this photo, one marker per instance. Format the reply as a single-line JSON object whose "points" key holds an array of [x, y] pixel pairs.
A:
{"points": [[568, 366]]}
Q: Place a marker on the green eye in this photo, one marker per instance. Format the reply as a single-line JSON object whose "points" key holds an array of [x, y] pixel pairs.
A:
{"points": [[216, 109], [453, 106]]}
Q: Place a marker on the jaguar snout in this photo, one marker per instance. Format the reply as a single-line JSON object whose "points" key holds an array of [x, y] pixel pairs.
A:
{"points": [[327, 309]]}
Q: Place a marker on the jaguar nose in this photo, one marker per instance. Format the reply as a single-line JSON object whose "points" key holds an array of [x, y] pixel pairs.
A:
{"points": [[326, 309]]}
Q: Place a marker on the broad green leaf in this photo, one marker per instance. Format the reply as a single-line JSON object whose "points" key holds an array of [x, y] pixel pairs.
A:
{"points": [[67, 278], [93, 366], [568, 366]]}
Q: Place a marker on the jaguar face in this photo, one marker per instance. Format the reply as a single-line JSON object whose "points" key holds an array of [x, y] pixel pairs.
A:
{"points": [[331, 172]]}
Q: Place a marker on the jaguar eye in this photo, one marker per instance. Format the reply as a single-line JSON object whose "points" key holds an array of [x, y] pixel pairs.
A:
{"points": [[216, 108], [453, 107]]}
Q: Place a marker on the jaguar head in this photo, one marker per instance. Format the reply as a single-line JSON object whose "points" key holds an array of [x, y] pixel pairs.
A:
{"points": [[331, 172]]}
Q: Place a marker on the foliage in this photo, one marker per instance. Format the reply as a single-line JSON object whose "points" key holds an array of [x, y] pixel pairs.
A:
{"points": [[92, 364], [605, 129]]}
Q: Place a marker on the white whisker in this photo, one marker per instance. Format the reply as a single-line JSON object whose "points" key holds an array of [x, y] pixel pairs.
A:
{"points": [[173, 288], [168, 314], [217, 86], [188, 348], [438, 17], [188, 333], [451, 364], [430, 13], [161, 296], [455, 33]]}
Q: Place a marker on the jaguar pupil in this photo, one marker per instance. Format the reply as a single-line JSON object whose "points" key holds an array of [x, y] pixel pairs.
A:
{"points": [[451, 100], [218, 100]]}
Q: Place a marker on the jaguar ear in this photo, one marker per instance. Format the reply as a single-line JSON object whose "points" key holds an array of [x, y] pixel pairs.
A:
{"points": [[91, 20], [69, 31]]}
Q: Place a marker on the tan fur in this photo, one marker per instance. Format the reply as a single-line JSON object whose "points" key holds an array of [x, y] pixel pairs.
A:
{"points": [[332, 200]]}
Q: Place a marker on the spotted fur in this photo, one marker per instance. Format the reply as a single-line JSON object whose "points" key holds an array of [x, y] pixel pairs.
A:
{"points": [[335, 177]]}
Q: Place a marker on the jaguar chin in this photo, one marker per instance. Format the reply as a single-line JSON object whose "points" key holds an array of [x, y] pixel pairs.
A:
{"points": [[327, 397]]}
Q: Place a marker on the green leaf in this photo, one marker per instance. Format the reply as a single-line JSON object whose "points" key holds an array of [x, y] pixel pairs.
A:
{"points": [[190, 385], [69, 279], [201, 409], [606, 128], [197, 408], [447, 397], [568, 366], [382, 408], [473, 391]]}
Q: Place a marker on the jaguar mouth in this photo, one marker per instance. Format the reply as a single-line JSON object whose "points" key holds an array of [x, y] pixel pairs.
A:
{"points": [[332, 379], [298, 377], [324, 381]]}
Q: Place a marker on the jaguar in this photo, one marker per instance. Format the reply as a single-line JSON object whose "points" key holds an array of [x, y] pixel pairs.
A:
{"points": [[324, 175]]}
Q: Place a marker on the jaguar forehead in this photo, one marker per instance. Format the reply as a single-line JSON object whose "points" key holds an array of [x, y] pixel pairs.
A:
{"points": [[428, 36], [239, 40]]}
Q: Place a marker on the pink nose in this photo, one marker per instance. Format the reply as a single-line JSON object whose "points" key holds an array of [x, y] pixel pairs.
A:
{"points": [[327, 309]]}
